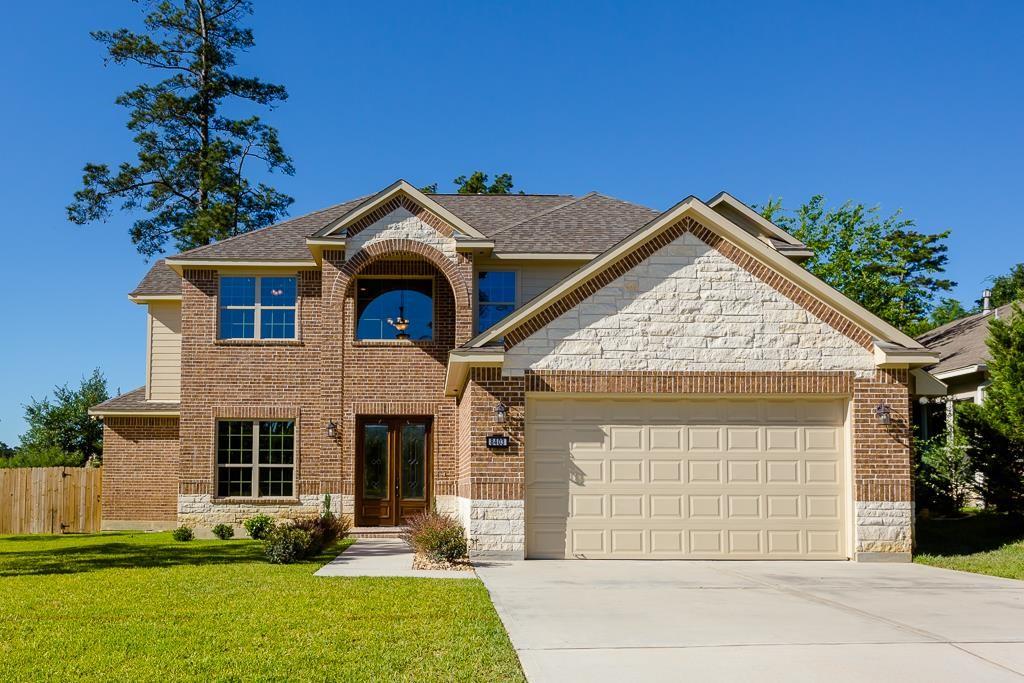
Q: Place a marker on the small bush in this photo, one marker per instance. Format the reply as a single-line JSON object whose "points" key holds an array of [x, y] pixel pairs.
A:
{"points": [[286, 544], [183, 533], [323, 531], [259, 527], [440, 537], [223, 531], [303, 538]]}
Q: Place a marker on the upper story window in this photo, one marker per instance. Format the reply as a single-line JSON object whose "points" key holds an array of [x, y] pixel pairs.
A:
{"points": [[257, 307], [391, 308], [496, 296]]}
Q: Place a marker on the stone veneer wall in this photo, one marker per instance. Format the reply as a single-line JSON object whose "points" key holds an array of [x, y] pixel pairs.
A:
{"points": [[140, 472], [688, 307]]}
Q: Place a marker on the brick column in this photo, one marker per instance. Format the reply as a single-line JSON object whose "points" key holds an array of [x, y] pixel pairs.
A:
{"points": [[883, 494]]}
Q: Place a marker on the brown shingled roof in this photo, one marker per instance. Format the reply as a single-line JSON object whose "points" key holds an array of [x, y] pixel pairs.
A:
{"points": [[159, 281], [517, 223], [962, 343], [133, 401]]}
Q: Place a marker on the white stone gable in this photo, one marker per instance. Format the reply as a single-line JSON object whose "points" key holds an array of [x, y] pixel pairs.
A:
{"points": [[401, 224], [688, 309]]}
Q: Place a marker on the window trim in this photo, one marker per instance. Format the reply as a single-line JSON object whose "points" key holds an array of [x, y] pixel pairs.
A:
{"points": [[433, 310], [255, 465], [488, 268], [257, 307]]}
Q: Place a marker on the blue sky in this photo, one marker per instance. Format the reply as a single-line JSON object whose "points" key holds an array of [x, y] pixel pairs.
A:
{"points": [[913, 105]]}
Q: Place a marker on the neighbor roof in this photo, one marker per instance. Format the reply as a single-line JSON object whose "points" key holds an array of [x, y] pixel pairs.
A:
{"points": [[133, 402], [961, 343]]}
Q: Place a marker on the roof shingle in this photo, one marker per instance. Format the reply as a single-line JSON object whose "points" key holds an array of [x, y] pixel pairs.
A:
{"points": [[133, 401], [517, 223], [962, 343]]}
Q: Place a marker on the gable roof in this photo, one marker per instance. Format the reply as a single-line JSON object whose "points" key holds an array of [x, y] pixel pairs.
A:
{"points": [[396, 189], [707, 217], [962, 343]]}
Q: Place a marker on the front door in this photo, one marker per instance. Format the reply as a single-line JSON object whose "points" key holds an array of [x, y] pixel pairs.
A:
{"points": [[392, 469]]}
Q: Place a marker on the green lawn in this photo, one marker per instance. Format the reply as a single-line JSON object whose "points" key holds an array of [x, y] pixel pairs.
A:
{"points": [[137, 607], [982, 543]]}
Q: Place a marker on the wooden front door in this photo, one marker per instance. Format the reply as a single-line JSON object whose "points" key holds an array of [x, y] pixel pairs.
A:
{"points": [[392, 472]]}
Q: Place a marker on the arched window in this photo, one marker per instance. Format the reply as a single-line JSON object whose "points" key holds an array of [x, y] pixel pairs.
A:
{"points": [[395, 308]]}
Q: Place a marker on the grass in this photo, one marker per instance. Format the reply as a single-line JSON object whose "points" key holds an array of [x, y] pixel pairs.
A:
{"points": [[140, 607], [983, 543]]}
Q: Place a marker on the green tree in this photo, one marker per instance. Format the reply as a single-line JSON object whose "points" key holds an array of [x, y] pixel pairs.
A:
{"points": [[60, 429], [1004, 397], [947, 310], [881, 262], [6, 451], [476, 183], [192, 175], [1007, 288]]}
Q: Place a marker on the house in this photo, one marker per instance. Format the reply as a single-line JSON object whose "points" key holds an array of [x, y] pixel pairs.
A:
{"points": [[963, 364], [572, 377]]}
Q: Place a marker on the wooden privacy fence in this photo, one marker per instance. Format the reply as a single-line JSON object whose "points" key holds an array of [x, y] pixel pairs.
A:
{"points": [[50, 500]]}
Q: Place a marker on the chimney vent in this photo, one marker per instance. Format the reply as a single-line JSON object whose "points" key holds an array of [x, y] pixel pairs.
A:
{"points": [[986, 302]]}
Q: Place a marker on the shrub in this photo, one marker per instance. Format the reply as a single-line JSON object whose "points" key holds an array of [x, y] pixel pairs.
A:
{"points": [[326, 510], [286, 544], [259, 527], [323, 531], [998, 458], [440, 537], [303, 538], [183, 533], [224, 531], [944, 476]]}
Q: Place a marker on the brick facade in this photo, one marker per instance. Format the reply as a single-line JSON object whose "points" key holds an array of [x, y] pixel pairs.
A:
{"points": [[140, 472], [327, 375]]}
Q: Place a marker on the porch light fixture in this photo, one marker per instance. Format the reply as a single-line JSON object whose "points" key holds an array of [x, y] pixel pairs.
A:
{"points": [[883, 413], [332, 429], [500, 413]]}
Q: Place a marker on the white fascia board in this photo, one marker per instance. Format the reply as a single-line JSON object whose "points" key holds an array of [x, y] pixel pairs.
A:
{"points": [[459, 363], [179, 265], [153, 298], [534, 256], [904, 358], [960, 372]]}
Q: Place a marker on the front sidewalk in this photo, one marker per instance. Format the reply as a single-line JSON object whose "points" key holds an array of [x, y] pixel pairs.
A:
{"points": [[383, 557]]}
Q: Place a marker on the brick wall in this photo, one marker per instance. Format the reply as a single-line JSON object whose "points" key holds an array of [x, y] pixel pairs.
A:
{"points": [[140, 471]]}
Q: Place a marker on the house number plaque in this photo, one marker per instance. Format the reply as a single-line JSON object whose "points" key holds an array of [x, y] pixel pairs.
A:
{"points": [[497, 441]]}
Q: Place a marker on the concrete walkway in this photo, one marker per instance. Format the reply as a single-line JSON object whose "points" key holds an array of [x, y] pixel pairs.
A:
{"points": [[382, 557], [764, 621]]}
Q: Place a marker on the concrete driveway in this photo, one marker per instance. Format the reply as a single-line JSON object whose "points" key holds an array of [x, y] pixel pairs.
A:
{"points": [[765, 621]]}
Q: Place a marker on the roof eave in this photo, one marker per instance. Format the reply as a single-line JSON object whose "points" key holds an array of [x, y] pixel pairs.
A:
{"points": [[179, 265], [461, 360]]}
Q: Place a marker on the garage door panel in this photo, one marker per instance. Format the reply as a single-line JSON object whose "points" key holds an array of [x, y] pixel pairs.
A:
{"points": [[705, 472], [698, 479]]}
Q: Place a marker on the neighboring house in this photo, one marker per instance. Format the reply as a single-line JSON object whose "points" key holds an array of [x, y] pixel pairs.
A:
{"points": [[569, 376], [963, 364]]}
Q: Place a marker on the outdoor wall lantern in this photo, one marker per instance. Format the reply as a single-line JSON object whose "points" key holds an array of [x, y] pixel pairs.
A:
{"points": [[332, 429], [883, 413], [500, 413]]}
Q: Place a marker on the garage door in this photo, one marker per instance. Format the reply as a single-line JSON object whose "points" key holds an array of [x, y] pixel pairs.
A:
{"points": [[695, 479]]}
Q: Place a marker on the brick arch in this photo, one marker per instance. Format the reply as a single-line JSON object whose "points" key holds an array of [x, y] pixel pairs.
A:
{"points": [[456, 274]]}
